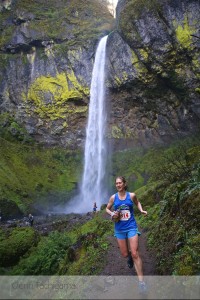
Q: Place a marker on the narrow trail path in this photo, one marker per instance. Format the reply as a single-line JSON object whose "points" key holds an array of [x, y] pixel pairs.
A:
{"points": [[117, 265], [120, 282]]}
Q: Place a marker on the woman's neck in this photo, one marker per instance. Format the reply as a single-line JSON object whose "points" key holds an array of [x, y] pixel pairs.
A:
{"points": [[122, 194]]}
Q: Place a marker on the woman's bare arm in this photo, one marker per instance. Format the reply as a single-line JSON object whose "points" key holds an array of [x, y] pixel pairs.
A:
{"points": [[137, 203], [109, 205]]}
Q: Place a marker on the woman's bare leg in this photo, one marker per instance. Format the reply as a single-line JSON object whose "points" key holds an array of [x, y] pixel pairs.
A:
{"points": [[133, 244], [123, 246]]}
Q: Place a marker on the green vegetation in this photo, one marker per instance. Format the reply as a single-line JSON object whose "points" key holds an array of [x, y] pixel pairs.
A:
{"points": [[54, 20], [11, 131], [16, 243], [31, 174], [44, 259], [167, 181], [184, 33], [91, 254], [79, 251], [57, 91]]}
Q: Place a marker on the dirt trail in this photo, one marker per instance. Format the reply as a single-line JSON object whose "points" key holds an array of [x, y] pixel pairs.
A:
{"points": [[117, 265], [120, 282]]}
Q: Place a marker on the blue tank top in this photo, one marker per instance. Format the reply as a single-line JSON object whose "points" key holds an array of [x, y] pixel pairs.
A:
{"points": [[125, 207]]}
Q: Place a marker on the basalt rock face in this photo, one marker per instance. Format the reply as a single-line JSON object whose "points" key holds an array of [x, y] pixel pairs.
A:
{"points": [[153, 62], [47, 51]]}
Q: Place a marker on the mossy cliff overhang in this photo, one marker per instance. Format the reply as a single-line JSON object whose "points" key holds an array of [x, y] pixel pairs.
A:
{"points": [[25, 24]]}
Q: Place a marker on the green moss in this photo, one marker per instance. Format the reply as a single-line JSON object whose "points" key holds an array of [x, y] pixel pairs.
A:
{"points": [[144, 54], [196, 65], [138, 65], [148, 193], [116, 132], [20, 240], [118, 81], [124, 76], [5, 37], [6, 31], [11, 130], [184, 32], [135, 59], [51, 94]]}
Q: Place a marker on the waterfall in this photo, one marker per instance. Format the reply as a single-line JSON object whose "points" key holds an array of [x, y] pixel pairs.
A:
{"points": [[93, 183]]}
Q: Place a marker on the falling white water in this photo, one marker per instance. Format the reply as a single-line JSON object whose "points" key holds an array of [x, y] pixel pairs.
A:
{"points": [[93, 185], [93, 181]]}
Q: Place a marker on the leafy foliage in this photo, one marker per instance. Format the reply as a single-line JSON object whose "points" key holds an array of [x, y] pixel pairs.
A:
{"points": [[78, 251], [45, 258], [16, 244], [174, 222], [93, 235]]}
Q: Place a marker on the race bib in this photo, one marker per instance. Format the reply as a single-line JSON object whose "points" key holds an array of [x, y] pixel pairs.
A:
{"points": [[125, 215]]}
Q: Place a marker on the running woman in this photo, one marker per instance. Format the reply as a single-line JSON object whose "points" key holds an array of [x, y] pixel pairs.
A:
{"points": [[126, 229]]}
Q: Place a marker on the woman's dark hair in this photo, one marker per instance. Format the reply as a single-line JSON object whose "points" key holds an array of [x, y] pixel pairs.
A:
{"points": [[123, 180]]}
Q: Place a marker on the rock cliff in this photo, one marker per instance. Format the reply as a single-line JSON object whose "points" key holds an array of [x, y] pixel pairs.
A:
{"points": [[153, 61], [47, 51], [46, 58]]}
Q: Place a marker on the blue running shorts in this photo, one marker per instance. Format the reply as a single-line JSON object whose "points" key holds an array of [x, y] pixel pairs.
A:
{"points": [[127, 234]]}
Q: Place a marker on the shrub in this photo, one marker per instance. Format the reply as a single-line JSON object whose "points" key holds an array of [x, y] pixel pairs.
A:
{"points": [[19, 241], [46, 257]]}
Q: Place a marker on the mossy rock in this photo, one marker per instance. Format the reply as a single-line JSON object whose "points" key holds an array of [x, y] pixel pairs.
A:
{"points": [[53, 20], [9, 209], [18, 242]]}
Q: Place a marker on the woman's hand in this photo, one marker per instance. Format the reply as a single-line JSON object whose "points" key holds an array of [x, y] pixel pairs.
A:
{"points": [[144, 212], [115, 216]]}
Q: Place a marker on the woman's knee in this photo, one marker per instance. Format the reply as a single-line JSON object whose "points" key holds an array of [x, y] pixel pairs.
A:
{"points": [[135, 254], [124, 253]]}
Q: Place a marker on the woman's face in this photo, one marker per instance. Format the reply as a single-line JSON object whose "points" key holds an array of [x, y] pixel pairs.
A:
{"points": [[120, 185]]}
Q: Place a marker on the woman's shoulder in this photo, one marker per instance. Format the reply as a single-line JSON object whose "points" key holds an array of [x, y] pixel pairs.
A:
{"points": [[132, 195], [112, 198]]}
